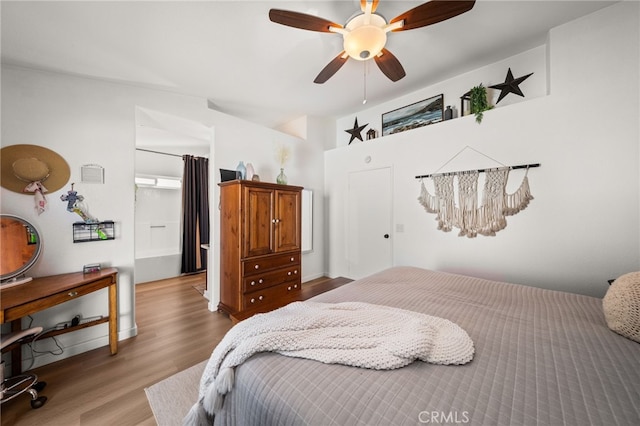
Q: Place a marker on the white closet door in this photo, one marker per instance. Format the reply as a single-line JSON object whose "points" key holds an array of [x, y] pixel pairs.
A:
{"points": [[369, 239]]}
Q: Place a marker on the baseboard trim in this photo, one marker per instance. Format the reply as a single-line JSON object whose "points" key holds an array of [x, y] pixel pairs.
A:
{"points": [[76, 349], [312, 277]]}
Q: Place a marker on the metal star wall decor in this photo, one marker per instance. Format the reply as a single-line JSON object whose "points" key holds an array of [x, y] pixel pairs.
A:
{"points": [[510, 85], [356, 132]]}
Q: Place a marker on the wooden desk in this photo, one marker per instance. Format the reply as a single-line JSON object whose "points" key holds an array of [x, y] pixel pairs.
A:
{"points": [[45, 292]]}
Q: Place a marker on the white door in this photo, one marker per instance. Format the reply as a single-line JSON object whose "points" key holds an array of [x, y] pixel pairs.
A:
{"points": [[369, 242]]}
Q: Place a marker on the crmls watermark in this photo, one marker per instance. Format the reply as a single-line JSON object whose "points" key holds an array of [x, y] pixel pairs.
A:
{"points": [[444, 417]]}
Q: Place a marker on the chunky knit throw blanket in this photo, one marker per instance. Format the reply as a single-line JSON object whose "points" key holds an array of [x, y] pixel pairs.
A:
{"points": [[349, 333]]}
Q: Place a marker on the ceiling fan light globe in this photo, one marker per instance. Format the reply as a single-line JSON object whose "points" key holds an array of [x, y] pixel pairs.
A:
{"points": [[365, 36], [364, 42]]}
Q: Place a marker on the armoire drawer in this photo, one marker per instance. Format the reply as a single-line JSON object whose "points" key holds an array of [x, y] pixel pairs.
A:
{"points": [[259, 264], [276, 296], [268, 279]]}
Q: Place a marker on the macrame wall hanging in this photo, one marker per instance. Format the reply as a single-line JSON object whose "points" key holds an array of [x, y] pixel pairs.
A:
{"points": [[472, 219]]}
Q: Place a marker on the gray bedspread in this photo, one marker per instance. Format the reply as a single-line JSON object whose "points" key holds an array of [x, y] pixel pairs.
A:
{"points": [[542, 358]]}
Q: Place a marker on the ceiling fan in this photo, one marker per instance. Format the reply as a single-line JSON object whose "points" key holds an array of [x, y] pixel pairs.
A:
{"points": [[365, 34]]}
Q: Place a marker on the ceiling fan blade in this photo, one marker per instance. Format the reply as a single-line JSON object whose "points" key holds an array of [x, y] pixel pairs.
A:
{"points": [[431, 13], [389, 65], [301, 20], [331, 68], [363, 5]]}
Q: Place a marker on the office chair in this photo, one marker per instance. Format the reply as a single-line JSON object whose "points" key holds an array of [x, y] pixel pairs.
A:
{"points": [[23, 383]]}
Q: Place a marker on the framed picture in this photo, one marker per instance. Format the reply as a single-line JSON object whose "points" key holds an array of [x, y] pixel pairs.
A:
{"points": [[412, 116]]}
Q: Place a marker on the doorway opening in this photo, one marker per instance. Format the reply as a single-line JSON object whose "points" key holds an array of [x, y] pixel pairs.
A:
{"points": [[161, 142]]}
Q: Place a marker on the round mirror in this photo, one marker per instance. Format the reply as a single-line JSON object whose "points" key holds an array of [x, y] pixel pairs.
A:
{"points": [[20, 245]]}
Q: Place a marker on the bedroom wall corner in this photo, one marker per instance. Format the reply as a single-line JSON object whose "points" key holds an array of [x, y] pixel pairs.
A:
{"points": [[574, 235]]}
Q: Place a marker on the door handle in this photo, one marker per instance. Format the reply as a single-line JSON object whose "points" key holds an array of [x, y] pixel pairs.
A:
{"points": [[386, 235]]}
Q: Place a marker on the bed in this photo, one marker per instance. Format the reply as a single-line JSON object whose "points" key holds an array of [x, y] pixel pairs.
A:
{"points": [[542, 357]]}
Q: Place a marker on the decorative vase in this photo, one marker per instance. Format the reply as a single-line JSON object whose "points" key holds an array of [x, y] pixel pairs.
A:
{"points": [[242, 169], [282, 178], [250, 172], [448, 113]]}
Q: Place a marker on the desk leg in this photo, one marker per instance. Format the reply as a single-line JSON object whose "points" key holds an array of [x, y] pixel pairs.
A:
{"points": [[113, 319]]}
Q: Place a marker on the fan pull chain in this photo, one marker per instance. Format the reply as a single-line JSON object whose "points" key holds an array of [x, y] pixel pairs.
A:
{"points": [[364, 95]]}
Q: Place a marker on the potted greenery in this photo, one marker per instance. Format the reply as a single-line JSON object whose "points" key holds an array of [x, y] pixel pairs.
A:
{"points": [[479, 103]]}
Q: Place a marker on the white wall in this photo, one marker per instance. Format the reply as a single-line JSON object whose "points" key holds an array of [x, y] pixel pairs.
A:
{"points": [[583, 226], [319, 135], [92, 121]]}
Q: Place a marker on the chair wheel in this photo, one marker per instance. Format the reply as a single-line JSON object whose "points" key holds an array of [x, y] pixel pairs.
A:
{"points": [[38, 402], [39, 386]]}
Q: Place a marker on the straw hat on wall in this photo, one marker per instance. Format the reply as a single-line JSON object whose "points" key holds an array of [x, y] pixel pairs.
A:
{"points": [[24, 164]]}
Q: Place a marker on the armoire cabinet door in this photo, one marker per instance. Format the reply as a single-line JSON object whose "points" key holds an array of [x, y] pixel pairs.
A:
{"points": [[258, 221], [288, 217]]}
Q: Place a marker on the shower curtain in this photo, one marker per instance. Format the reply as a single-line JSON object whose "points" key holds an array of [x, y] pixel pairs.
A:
{"points": [[195, 208]]}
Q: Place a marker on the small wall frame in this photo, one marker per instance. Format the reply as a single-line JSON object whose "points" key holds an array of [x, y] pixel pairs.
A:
{"points": [[92, 173]]}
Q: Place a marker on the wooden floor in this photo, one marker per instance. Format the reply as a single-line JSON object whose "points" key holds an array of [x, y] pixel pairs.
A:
{"points": [[175, 331]]}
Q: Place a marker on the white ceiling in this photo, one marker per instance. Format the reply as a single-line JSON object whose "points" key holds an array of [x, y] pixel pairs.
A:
{"points": [[247, 66]]}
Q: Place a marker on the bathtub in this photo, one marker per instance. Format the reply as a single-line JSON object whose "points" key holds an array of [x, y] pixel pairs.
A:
{"points": [[158, 251], [154, 267]]}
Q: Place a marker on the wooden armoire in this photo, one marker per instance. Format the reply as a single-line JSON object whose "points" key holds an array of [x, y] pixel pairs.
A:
{"points": [[260, 232]]}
